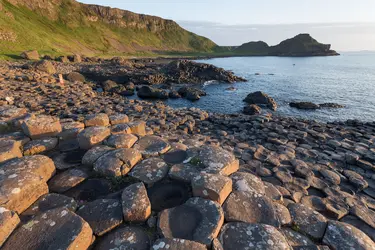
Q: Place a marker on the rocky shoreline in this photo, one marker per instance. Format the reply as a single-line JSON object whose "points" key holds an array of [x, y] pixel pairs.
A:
{"points": [[88, 169]]}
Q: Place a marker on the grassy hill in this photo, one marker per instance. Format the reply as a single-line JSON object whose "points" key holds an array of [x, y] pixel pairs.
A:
{"points": [[65, 26]]}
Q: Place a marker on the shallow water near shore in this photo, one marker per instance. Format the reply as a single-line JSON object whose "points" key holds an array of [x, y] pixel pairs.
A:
{"points": [[348, 79]]}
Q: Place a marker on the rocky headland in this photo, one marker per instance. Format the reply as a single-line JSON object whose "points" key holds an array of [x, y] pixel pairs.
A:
{"points": [[84, 167]]}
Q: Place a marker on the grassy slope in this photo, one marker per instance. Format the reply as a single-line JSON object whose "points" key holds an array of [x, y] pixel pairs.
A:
{"points": [[72, 33]]}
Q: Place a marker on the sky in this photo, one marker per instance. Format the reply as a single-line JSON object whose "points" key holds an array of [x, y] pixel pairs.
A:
{"points": [[349, 25]]}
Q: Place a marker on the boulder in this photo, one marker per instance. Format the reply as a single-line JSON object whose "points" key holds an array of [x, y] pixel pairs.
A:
{"points": [[341, 235], [122, 140], [75, 77], [109, 86], [237, 235], [174, 94], [102, 215], [252, 109], [197, 220], [177, 244], [63, 59], [118, 119], [9, 149], [304, 105], [214, 187], [92, 136], [66, 180], [331, 105], [296, 239], [55, 229], [192, 94], [8, 221], [117, 162], [40, 146], [97, 120], [152, 145], [308, 221], [150, 171], [136, 206], [148, 92], [75, 58], [41, 126], [94, 154], [30, 55], [120, 129], [128, 237], [45, 66], [137, 127], [260, 98], [246, 182], [250, 208]]}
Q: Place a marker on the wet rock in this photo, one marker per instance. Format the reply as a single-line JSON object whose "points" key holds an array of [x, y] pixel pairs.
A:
{"points": [[304, 105], [344, 236], [152, 145], [8, 221], [212, 186], [192, 94], [177, 244], [122, 140], [55, 229], [40, 146], [167, 195], [9, 149], [102, 215], [49, 202], [174, 94], [149, 92], [30, 55], [66, 180], [331, 105], [94, 154], [250, 208], [252, 110], [92, 136], [128, 237], [41, 126], [150, 170], [238, 235], [198, 220], [246, 182], [136, 206], [260, 98], [308, 221], [117, 162], [75, 77]]}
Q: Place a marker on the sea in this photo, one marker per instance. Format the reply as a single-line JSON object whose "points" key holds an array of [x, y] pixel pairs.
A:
{"points": [[348, 79]]}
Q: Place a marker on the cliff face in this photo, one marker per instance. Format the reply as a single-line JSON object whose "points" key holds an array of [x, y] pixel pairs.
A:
{"points": [[300, 45], [67, 26]]}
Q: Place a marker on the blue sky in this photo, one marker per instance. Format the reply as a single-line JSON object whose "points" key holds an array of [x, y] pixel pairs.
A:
{"points": [[347, 24]]}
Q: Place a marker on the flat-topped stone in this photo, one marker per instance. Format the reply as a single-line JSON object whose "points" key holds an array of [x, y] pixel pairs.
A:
{"points": [[55, 229], [184, 172], [93, 136], [9, 149], [250, 208], [94, 154], [118, 119], [341, 235], [117, 162], [66, 180], [136, 206], [49, 202], [198, 220], [41, 126], [96, 120], [138, 127], [40, 146], [214, 187], [239, 235], [152, 146], [119, 129], [296, 239], [128, 237], [246, 182], [177, 244], [150, 171], [8, 221], [102, 215], [121, 140]]}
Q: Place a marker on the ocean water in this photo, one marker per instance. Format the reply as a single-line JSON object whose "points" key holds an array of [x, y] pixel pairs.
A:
{"points": [[348, 79]]}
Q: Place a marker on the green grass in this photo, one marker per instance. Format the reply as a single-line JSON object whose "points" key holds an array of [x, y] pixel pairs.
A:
{"points": [[71, 32]]}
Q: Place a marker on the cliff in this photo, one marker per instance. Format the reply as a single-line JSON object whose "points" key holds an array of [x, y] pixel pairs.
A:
{"points": [[300, 45], [66, 26]]}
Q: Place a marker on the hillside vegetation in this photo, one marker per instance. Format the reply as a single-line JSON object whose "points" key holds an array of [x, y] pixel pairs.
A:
{"points": [[66, 26]]}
